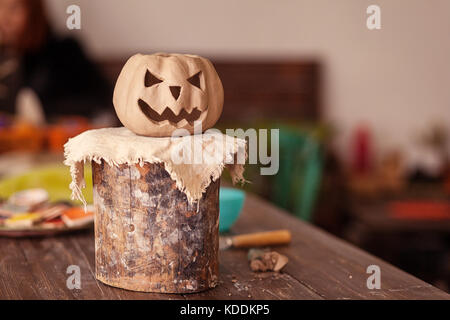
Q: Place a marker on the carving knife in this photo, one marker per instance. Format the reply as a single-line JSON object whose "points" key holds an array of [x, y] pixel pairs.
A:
{"points": [[258, 239]]}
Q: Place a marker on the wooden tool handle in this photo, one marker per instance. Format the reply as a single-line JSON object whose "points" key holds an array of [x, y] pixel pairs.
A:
{"points": [[261, 239]]}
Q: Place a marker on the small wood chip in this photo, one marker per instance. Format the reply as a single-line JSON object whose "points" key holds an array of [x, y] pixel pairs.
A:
{"points": [[264, 260]]}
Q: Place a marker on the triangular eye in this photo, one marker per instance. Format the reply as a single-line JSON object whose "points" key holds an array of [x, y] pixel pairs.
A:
{"points": [[195, 80], [150, 79]]}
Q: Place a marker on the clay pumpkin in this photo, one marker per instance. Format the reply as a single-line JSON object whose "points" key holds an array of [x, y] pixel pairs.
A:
{"points": [[159, 93]]}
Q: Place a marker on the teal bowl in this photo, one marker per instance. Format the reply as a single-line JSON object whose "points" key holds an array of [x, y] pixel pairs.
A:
{"points": [[231, 202]]}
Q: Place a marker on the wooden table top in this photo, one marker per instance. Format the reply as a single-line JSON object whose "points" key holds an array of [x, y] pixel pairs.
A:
{"points": [[320, 266]]}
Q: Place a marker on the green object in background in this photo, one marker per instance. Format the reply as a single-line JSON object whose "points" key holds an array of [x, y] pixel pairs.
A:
{"points": [[55, 179], [298, 180], [296, 185]]}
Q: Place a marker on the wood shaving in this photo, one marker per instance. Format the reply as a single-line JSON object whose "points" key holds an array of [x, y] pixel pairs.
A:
{"points": [[265, 261]]}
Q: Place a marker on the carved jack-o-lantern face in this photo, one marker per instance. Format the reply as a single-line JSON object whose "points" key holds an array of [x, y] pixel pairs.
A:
{"points": [[156, 94]]}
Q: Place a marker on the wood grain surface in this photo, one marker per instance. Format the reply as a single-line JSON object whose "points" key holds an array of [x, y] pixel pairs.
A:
{"points": [[148, 237], [320, 266]]}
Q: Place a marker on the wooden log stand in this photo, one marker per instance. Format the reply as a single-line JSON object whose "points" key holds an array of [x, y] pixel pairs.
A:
{"points": [[147, 236]]}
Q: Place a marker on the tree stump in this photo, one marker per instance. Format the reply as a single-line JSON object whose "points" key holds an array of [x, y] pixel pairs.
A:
{"points": [[147, 236]]}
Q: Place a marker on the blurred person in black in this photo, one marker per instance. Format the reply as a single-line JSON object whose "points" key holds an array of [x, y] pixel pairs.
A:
{"points": [[56, 69]]}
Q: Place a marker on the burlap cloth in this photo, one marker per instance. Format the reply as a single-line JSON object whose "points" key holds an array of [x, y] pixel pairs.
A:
{"points": [[121, 146]]}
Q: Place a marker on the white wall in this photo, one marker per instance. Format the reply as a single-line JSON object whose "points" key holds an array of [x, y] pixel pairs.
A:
{"points": [[396, 79]]}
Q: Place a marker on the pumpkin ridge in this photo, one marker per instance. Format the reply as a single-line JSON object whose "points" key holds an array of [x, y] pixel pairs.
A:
{"points": [[190, 81]]}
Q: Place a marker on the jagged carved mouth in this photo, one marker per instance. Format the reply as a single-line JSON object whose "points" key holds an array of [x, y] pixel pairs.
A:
{"points": [[168, 114]]}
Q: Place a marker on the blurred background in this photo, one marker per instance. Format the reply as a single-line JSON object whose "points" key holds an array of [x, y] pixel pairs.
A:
{"points": [[364, 115]]}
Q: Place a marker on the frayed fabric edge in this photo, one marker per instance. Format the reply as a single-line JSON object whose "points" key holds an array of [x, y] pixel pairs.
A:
{"points": [[78, 182]]}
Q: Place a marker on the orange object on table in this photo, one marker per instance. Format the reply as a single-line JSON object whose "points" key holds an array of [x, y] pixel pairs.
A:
{"points": [[68, 127], [21, 136], [420, 210], [76, 216]]}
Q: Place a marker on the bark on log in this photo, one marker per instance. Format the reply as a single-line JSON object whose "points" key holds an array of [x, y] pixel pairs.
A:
{"points": [[147, 236]]}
